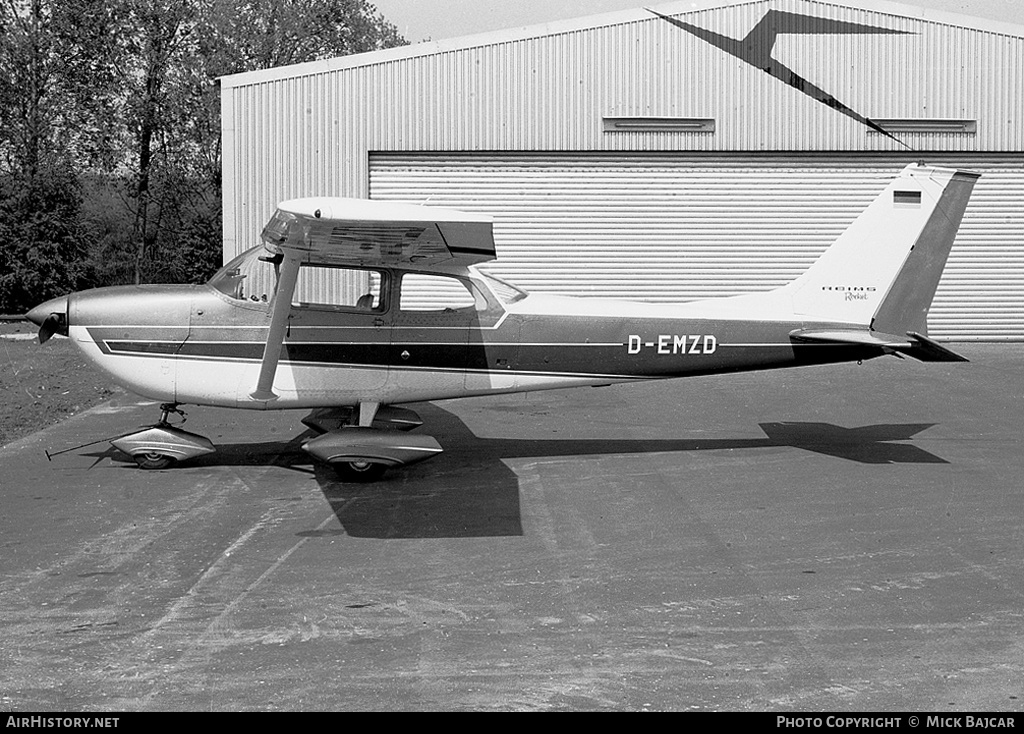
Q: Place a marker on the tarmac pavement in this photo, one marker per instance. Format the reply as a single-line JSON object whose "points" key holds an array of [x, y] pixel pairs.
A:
{"points": [[844, 538]]}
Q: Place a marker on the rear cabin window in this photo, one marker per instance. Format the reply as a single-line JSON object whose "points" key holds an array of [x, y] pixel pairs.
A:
{"points": [[438, 293], [506, 292]]}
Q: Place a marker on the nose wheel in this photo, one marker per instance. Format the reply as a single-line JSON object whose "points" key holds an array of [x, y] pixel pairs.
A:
{"points": [[162, 445]]}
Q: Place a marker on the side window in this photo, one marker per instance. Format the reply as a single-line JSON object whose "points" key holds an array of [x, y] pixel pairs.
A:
{"points": [[346, 289], [438, 294]]}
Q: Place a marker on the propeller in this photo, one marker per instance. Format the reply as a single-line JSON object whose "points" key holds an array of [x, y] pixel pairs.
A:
{"points": [[51, 318], [52, 324]]}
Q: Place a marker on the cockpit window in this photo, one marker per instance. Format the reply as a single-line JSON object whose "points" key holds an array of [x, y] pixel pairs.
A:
{"points": [[249, 277]]}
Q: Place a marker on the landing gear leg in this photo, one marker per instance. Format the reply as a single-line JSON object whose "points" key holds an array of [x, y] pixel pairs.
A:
{"points": [[166, 409]]}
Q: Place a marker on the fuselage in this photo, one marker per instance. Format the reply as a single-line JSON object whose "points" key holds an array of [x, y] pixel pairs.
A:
{"points": [[203, 344]]}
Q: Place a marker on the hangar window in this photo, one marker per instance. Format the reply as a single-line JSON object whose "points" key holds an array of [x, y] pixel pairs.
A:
{"points": [[659, 124], [896, 125]]}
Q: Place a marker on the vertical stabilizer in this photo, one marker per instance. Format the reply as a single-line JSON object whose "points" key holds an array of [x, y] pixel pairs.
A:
{"points": [[905, 306], [882, 271]]}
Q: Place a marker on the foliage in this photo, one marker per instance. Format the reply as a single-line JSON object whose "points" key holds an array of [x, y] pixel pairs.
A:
{"points": [[44, 252], [259, 34], [42, 237], [110, 132]]}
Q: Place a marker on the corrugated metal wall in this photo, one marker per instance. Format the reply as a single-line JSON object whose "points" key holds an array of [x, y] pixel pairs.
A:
{"points": [[669, 228], [288, 137], [311, 130]]}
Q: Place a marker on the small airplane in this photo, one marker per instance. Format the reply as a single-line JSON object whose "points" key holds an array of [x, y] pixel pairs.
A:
{"points": [[353, 308]]}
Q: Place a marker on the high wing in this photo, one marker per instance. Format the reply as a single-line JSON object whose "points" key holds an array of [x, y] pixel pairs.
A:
{"points": [[360, 231]]}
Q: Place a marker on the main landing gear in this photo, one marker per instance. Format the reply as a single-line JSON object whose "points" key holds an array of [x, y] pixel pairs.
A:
{"points": [[360, 442]]}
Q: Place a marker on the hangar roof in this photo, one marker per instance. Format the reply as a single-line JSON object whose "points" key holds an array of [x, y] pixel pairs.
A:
{"points": [[462, 43]]}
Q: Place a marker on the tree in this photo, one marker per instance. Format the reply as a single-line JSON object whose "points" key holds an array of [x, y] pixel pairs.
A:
{"points": [[42, 238], [172, 102], [45, 250], [163, 30], [261, 34], [110, 131]]}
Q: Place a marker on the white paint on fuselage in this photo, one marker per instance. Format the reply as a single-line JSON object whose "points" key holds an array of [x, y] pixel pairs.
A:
{"points": [[758, 307], [149, 376], [228, 383]]}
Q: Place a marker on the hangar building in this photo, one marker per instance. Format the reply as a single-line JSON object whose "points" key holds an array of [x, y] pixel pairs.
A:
{"points": [[695, 149]]}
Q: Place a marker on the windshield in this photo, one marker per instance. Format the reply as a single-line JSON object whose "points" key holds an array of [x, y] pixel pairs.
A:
{"points": [[505, 291], [249, 277]]}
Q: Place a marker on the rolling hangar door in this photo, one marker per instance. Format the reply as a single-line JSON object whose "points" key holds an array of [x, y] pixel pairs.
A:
{"points": [[674, 227]]}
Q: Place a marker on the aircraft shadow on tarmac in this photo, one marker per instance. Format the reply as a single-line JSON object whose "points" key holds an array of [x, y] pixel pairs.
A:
{"points": [[469, 491]]}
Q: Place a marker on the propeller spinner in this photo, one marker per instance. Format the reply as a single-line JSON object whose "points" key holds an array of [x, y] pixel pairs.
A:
{"points": [[51, 318]]}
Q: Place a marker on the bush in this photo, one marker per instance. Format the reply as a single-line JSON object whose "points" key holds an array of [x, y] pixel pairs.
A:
{"points": [[43, 245]]}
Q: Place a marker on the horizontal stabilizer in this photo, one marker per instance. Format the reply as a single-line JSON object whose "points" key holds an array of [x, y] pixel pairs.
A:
{"points": [[913, 345], [928, 350]]}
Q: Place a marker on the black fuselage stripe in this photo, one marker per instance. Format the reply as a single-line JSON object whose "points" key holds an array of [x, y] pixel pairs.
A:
{"points": [[599, 361]]}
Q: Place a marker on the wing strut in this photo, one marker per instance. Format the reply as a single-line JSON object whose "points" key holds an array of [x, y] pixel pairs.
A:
{"points": [[278, 325]]}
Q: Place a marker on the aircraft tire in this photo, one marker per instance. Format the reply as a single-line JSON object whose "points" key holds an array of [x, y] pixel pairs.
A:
{"points": [[361, 472], [152, 461]]}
